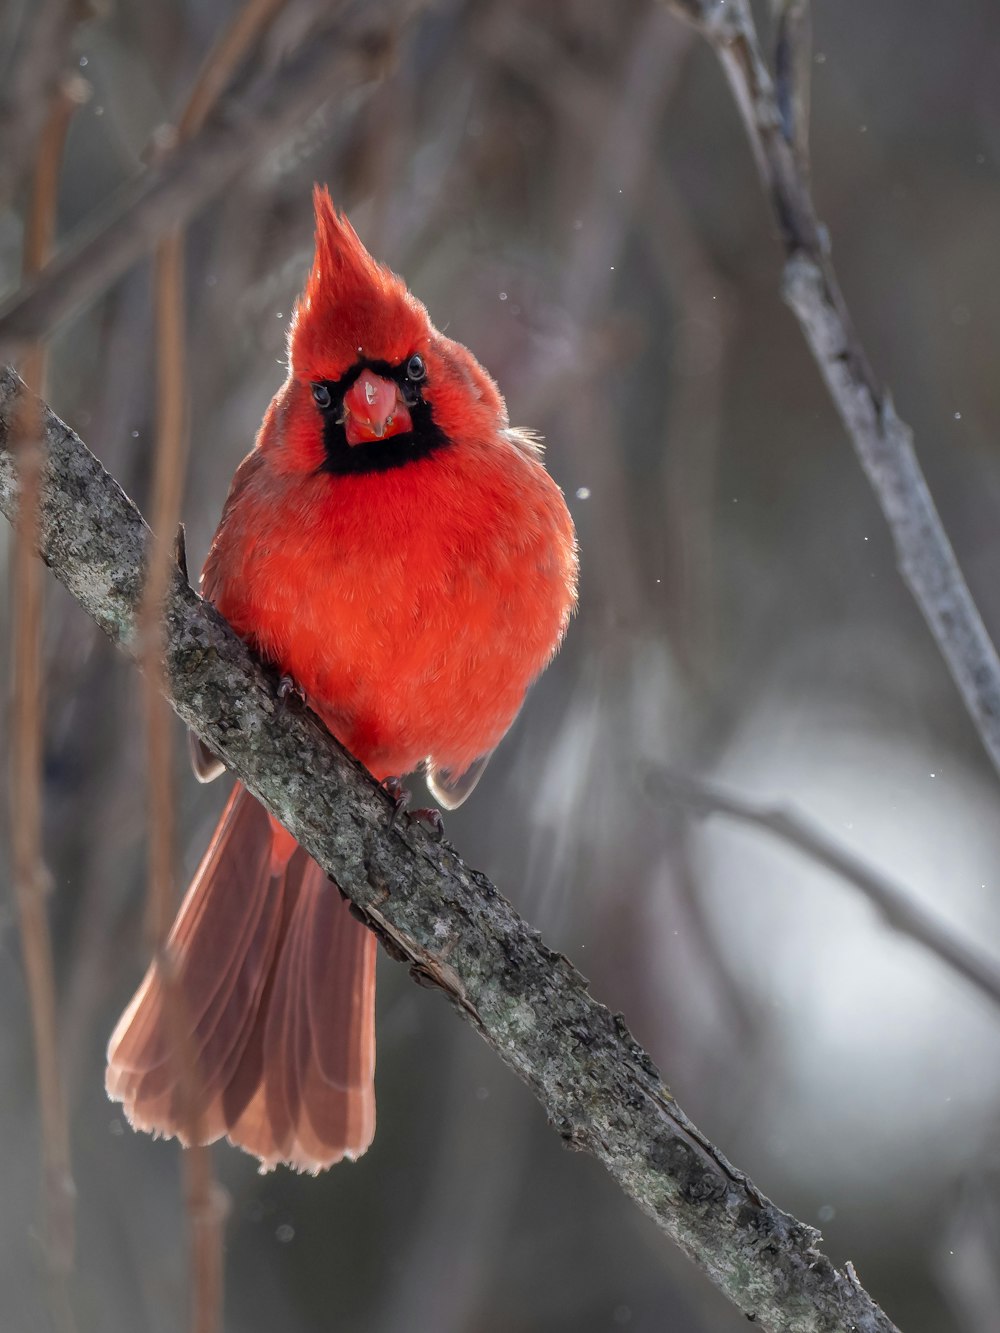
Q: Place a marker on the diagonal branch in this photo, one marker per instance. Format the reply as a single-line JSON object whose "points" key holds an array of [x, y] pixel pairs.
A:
{"points": [[351, 51], [792, 59], [883, 443], [599, 1088], [897, 907]]}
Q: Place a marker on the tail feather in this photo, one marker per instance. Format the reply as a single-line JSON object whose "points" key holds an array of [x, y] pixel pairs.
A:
{"points": [[206, 947], [276, 987]]}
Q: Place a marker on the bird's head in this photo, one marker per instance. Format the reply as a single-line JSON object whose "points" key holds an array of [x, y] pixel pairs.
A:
{"points": [[373, 385]]}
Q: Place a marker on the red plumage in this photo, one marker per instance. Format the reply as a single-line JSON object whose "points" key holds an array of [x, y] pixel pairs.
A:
{"points": [[393, 546]]}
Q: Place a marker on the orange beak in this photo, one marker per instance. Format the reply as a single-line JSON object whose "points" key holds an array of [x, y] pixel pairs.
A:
{"points": [[374, 410]]}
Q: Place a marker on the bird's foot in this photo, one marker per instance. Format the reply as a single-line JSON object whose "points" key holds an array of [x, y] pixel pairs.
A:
{"points": [[401, 797], [289, 688], [432, 819]]}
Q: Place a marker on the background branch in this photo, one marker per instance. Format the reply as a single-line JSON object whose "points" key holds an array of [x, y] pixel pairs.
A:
{"points": [[894, 904], [884, 444], [351, 51], [207, 1203], [600, 1089], [30, 81], [792, 73], [31, 875]]}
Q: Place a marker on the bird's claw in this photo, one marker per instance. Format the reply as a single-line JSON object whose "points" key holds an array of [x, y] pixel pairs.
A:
{"points": [[432, 819], [289, 688], [401, 797]]}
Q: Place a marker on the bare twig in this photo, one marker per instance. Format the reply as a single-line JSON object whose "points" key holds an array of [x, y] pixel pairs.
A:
{"points": [[883, 443], [30, 874], [222, 62], [171, 453], [893, 903], [354, 51], [30, 83], [600, 1089], [792, 70], [206, 1202]]}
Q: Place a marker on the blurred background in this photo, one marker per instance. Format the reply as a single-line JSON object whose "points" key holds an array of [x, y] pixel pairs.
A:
{"points": [[568, 189]]}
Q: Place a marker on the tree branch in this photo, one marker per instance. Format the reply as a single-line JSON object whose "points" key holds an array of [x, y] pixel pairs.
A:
{"points": [[207, 1203], [883, 443], [792, 74], [599, 1088], [31, 878], [897, 907], [353, 50], [35, 65]]}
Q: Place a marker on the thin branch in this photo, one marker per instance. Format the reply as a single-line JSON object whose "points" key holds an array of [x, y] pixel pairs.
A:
{"points": [[222, 62], [894, 904], [792, 71], [171, 455], [355, 50], [883, 443], [599, 1088], [206, 1202], [30, 82], [30, 876]]}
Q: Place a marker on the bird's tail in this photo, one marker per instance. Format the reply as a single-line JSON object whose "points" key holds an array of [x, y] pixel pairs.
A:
{"points": [[267, 1034]]}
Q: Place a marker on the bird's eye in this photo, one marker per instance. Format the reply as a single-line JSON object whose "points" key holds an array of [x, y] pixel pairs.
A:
{"points": [[415, 368], [321, 395]]}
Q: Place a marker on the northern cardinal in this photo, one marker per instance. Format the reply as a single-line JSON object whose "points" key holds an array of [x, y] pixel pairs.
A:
{"points": [[400, 553]]}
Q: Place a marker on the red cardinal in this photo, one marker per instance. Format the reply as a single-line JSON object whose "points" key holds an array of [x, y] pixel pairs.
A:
{"points": [[400, 553]]}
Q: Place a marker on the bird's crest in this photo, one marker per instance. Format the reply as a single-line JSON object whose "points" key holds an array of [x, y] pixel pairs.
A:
{"points": [[353, 308]]}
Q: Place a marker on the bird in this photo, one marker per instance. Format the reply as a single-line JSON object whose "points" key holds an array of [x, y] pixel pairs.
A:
{"points": [[404, 560]]}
